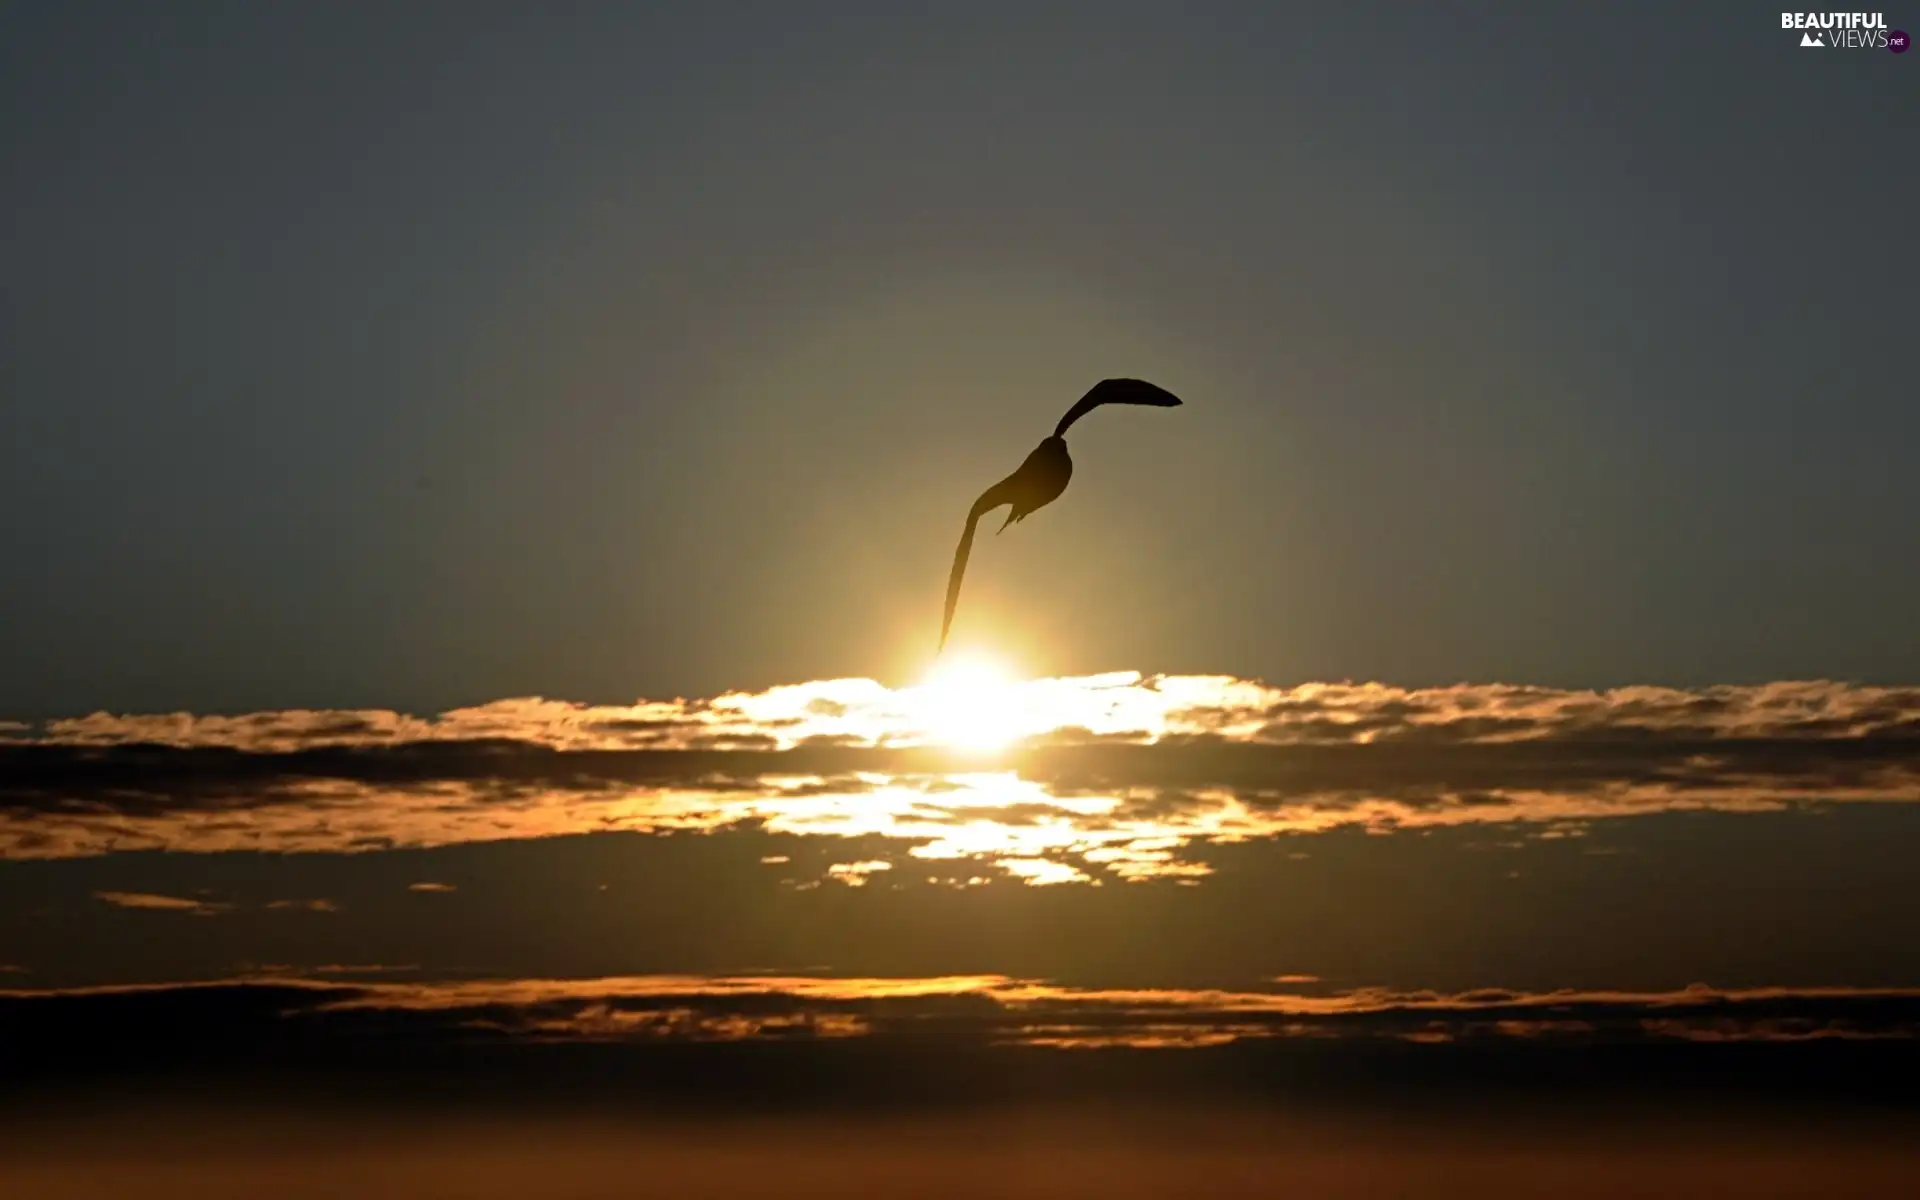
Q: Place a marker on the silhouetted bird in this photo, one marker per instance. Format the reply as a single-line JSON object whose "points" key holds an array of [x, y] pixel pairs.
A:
{"points": [[1044, 475]]}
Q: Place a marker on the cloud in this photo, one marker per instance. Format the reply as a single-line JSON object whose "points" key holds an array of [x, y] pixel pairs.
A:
{"points": [[321, 905], [1123, 706], [275, 971], [1119, 777], [157, 903], [1003, 1011], [1040, 872], [854, 874]]}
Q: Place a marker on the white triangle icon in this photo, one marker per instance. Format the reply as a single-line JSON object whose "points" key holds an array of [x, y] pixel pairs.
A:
{"points": [[1807, 39]]}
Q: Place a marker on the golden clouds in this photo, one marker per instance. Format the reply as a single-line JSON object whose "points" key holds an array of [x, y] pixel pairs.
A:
{"points": [[1114, 778]]}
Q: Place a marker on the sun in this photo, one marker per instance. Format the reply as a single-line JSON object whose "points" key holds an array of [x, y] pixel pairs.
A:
{"points": [[970, 702]]}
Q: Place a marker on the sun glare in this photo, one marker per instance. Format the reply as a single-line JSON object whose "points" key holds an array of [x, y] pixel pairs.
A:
{"points": [[968, 702]]}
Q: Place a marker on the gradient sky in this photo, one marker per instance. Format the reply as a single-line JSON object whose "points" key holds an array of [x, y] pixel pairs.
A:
{"points": [[415, 356], [477, 485]]}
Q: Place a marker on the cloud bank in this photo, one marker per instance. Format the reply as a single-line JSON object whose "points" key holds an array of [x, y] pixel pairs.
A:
{"points": [[1123, 705], [1094, 779], [991, 1010]]}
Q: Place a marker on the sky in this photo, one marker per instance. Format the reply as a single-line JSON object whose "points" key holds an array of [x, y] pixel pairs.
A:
{"points": [[477, 485], [416, 358]]}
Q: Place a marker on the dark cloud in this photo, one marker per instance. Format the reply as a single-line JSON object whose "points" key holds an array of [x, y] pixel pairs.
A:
{"points": [[1012, 1011]]}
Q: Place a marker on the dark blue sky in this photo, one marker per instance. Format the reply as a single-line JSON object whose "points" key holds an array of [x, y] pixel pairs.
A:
{"points": [[412, 356]]}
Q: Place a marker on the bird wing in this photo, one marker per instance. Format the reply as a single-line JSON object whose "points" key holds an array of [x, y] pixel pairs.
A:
{"points": [[989, 500], [1117, 391]]}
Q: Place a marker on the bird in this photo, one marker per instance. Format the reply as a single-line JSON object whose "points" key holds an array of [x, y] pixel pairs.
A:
{"points": [[1044, 475]]}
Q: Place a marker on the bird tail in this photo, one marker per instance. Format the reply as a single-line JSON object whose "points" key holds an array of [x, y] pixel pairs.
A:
{"points": [[989, 500]]}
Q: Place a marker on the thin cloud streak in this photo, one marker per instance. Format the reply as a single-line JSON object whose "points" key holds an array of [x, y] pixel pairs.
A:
{"points": [[158, 903], [998, 1010], [319, 905], [1122, 705]]}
